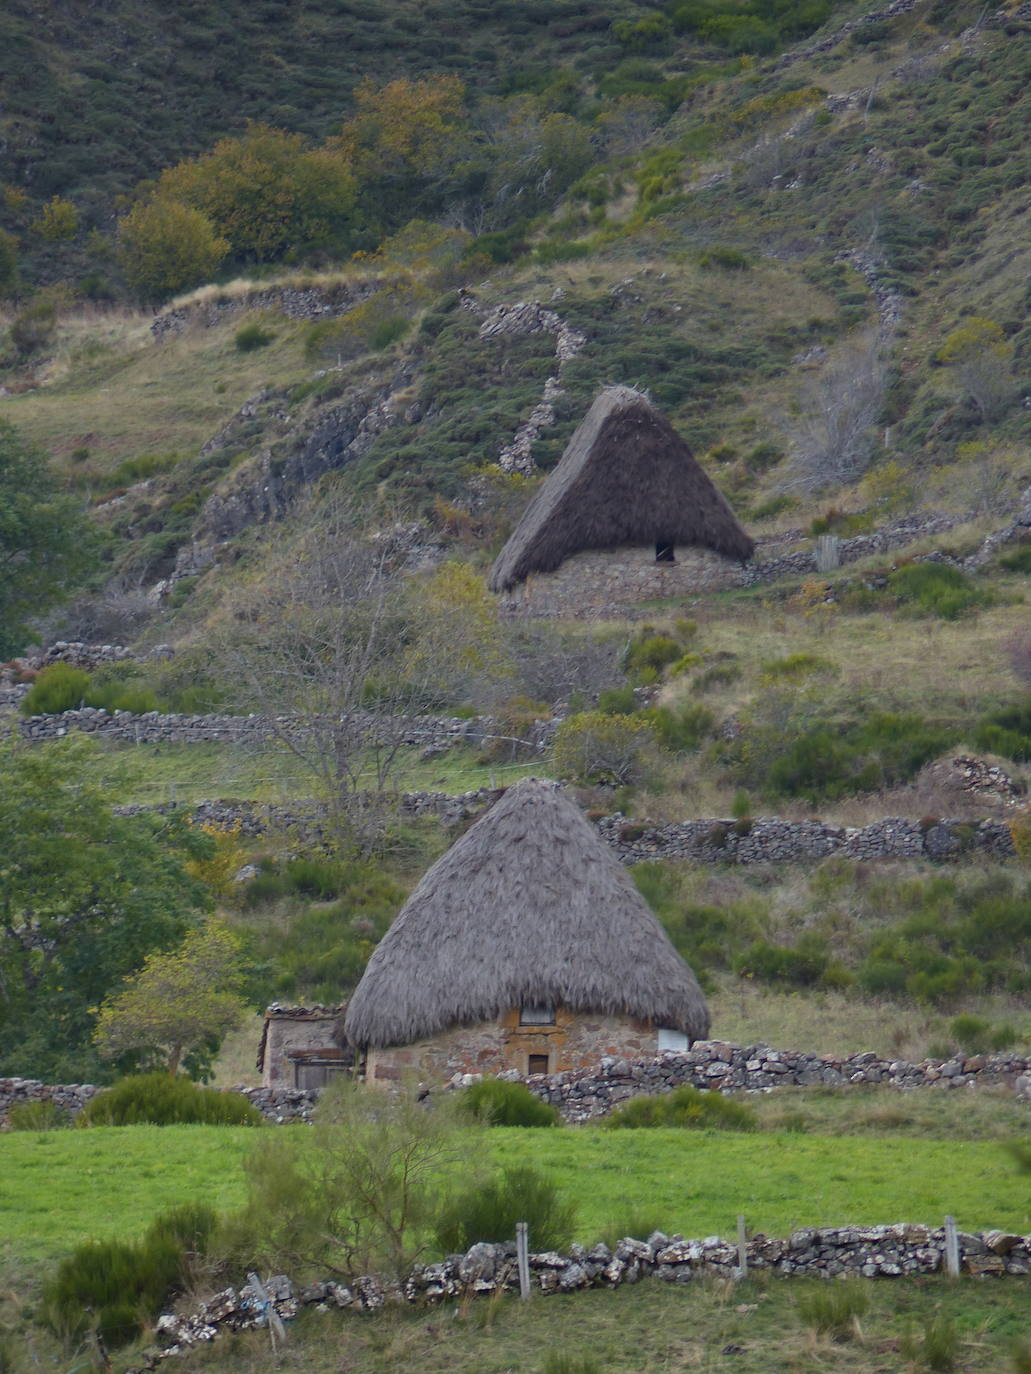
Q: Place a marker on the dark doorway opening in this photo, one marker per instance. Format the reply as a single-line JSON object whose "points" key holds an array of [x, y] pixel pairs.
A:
{"points": [[664, 551]]}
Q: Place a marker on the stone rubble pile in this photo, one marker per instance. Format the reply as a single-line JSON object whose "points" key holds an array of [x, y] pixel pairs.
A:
{"points": [[890, 1251]]}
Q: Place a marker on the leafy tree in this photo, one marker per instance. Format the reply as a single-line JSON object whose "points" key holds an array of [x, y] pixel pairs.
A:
{"points": [[47, 545], [85, 896], [268, 194], [403, 135], [166, 247], [980, 356], [59, 220], [180, 1002]]}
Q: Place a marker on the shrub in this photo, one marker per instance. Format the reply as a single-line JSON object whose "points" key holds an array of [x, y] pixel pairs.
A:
{"points": [[33, 328], [490, 1211], [159, 1100], [935, 589], [834, 1309], [683, 728], [686, 1107], [1006, 732], [36, 1116], [112, 1286], [648, 654], [801, 966], [617, 701], [251, 337], [58, 688], [595, 747], [499, 1102]]}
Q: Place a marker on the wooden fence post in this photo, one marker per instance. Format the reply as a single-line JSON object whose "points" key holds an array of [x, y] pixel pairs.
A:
{"points": [[523, 1258], [742, 1250], [951, 1248]]}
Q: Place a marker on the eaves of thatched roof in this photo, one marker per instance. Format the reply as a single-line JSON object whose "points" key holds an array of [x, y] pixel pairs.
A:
{"points": [[529, 906], [626, 478]]}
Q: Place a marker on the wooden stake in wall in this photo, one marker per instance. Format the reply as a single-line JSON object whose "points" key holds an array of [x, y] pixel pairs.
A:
{"points": [[951, 1248], [523, 1258], [742, 1251]]}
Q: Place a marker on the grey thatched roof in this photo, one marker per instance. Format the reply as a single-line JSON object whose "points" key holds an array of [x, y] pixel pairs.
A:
{"points": [[625, 478], [529, 906]]}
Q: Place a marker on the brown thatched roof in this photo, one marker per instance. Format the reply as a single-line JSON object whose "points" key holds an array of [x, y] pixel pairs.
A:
{"points": [[529, 906], [625, 478]]}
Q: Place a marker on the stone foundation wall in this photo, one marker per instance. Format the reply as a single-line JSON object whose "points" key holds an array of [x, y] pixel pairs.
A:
{"points": [[588, 585], [574, 1043]]}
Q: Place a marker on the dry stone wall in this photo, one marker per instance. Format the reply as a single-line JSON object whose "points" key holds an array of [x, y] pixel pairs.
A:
{"points": [[893, 1251], [586, 1094]]}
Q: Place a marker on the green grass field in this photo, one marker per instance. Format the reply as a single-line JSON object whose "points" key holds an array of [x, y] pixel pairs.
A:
{"points": [[62, 1187]]}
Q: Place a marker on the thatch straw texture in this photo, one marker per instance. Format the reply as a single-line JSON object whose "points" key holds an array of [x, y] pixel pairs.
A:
{"points": [[626, 478], [528, 907]]}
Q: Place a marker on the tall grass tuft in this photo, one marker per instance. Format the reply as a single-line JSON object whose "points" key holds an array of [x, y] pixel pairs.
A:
{"points": [[935, 1346], [834, 1309]]}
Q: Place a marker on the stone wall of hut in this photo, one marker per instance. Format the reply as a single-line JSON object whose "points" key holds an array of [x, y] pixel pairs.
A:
{"points": [[588, 585], [294, 1031], [576, 1041]]}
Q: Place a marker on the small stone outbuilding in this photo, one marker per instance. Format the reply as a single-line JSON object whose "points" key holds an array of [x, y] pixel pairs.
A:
{"points": [[526, 947], [628, 514], [299, 1047]]}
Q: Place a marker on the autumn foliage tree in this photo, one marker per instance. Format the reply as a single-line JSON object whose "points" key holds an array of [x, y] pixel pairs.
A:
{"points": [[167, 247], [180, 1002], [266, 193]]}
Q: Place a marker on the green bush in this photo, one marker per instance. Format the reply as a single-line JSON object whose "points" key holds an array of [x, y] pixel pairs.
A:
{"points": [[37, 1116], [685, 1107], [112, 1287], [801, 966], [499, 1102], [158, 1100], [1006, 732], [595, 747], [648, 653], [936, 589], [57, 688], [680, 729], [489, 1212], [251, 337], [617, 701]]}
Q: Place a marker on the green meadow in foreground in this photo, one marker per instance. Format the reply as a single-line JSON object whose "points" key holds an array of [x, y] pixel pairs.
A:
{"points": [[62, 1187]]}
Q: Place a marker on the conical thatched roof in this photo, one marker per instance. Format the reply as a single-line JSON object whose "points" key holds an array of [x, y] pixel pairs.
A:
{"points": [[529, 906], [625, 478]]}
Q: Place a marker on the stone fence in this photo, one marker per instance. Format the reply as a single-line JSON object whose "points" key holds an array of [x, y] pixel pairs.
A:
{"points": [[764, 840], [768, 839], [156, 727], [586, 1094], [894, 1251]]}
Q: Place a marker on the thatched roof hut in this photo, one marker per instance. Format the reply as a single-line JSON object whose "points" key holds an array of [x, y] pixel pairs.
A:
{"points": [[529, 906], [626, 478]]}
